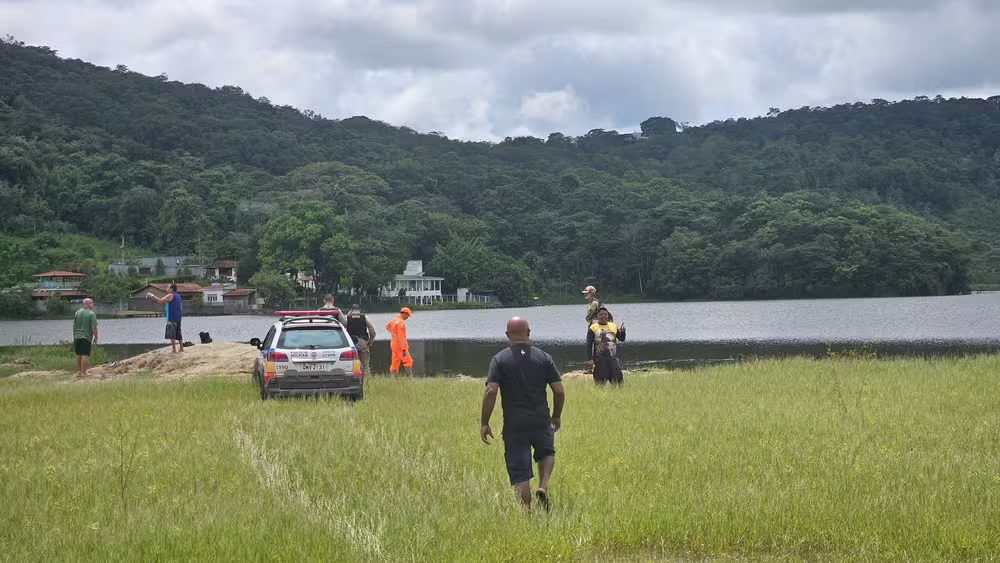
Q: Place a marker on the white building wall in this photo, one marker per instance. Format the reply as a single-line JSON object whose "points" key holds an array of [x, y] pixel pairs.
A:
{"points": [[212, 296]]}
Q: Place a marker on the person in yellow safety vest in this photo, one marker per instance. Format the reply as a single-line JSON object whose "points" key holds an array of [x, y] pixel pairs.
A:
{"points": [[602, 349], [396, 328]]}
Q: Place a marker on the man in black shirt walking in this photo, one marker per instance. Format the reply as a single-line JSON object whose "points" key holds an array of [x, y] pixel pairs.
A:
{"points": [[521, 373]]}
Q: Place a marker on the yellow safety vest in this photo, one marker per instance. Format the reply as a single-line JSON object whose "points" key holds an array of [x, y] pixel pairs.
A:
{"points": [[605, 335]]}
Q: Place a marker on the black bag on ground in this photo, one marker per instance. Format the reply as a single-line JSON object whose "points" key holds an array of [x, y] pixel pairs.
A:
{"points": [[205, 337]]}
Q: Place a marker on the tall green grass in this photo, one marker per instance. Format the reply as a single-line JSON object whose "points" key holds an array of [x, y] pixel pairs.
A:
{"points": [[790, 459], [27, 356]]}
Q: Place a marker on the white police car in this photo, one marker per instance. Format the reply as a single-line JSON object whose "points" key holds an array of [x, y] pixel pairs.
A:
{"points": [[307, 353]]}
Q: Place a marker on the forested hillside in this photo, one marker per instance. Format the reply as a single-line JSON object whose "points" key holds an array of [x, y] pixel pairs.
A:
{"points": [[865, 199]]}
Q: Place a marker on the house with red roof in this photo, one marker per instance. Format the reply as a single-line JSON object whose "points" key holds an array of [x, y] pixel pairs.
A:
{"points": [[241, 300], [191, 293], [60, 284], [228, 298]]}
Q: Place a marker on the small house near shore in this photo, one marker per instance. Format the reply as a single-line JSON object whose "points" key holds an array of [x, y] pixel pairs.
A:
{"points": [[413, 286], [228, 298], [224, 270], [241, 300], [139, 302], [58, 284]]}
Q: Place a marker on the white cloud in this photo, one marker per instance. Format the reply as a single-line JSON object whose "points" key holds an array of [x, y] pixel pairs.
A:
{"points": [[457, 103], [554, 106], [486, 69]]}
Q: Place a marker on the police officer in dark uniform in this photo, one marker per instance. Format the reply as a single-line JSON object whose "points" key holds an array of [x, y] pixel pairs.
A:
{"points": [[362, 332]]}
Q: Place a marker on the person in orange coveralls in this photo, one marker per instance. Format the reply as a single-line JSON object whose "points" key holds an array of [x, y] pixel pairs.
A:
{"points": [[400, 347]]}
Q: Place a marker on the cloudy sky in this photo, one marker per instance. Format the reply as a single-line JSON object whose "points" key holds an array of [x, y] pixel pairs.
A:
{"points": [[486, 69]]}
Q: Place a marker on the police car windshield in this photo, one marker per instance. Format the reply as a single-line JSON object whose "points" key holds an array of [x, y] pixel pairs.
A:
{"points": [[312, 338]]}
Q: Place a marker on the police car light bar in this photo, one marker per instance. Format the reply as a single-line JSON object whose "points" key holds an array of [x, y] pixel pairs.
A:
{"points": [[322, 313]]}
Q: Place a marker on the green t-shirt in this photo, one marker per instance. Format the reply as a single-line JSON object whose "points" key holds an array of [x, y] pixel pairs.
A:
{"points": [[84, 322], [592, 311]]}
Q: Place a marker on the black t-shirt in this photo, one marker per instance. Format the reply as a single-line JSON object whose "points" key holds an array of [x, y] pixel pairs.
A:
{"points": [[523, 372]]}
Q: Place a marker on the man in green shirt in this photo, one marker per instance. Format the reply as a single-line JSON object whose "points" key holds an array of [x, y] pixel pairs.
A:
{"points": [[593, 305], [84, 334]]}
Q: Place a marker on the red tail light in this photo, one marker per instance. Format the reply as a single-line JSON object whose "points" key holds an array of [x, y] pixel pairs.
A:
{"points": [[277, 357], [352, 355]]}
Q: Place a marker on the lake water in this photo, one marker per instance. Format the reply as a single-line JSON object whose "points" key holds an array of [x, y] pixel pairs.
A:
{"points": [[659, 333]]}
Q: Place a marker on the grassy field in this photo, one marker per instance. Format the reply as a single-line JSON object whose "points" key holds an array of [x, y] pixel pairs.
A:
{"points": [[56, 357], [790, 459]]}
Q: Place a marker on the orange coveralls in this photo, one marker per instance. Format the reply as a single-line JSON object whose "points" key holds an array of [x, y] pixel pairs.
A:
{"points": [[397, 329]]}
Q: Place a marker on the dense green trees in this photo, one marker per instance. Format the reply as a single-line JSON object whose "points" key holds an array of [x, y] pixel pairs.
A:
{"points": [[859, 199], [23, 257], [308, 238], [106, 287], [473, 265], [803, 245], [275, 287]]}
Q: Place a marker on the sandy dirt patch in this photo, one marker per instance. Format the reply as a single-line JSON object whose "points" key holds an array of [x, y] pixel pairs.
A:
{"points": [[227, 359], [41, 374]]}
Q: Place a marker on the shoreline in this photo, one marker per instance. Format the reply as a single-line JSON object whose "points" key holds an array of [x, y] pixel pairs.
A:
{"points": [[56, 360]]}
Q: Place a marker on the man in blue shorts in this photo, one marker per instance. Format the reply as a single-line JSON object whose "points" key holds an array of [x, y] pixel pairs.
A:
{"points": [[521, 373], [174, 314]]}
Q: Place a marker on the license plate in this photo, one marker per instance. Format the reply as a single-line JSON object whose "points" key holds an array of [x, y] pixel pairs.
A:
{"points": [[313, 367]]}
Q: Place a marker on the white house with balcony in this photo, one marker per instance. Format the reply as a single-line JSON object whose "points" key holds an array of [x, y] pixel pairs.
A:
{"points": [[412, 286]]}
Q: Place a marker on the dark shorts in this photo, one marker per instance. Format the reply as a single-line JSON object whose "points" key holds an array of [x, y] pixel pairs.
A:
{"points": [[81, 346], [607, 368], [517, 451], [173, 331]]}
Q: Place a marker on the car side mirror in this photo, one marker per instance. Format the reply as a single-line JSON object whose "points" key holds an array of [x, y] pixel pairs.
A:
{"points": [[255, 342]]}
